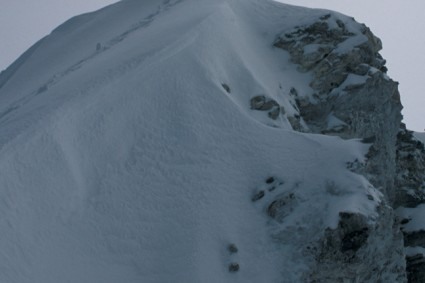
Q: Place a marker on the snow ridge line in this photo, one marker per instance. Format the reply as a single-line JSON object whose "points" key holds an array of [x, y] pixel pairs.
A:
{"points": [[166, 5]]}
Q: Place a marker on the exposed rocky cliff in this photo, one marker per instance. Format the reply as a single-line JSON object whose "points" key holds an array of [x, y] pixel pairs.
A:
{"points": [[410, 201], [354, 98]]}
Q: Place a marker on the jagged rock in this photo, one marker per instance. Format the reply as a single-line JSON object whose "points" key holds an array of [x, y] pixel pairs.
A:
{"points": [[274, 114], [416, 268], [319, 48], [268, 105], [409, 198], [293, 92], [353, 231], [410, 177], [361, 251], [263, 103], [414, 239], [257, 102], [372, 110], [350, 84], [369, 106], [296, 123], [356, 166], [354, 240]]}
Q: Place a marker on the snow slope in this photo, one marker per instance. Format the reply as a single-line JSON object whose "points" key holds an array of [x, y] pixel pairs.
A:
{"points": [[123, 159]]}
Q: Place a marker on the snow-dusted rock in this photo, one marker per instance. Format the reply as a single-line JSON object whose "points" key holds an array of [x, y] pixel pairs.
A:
{"points": [[354, 98], [359, 251], [410, 200], [350, 84], [332, 48]]}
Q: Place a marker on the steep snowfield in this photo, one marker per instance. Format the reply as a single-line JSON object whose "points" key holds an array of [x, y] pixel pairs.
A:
{"points": [[123, 159]]}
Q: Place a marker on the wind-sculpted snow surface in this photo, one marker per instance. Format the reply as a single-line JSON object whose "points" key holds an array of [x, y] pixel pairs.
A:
{"points": [[154, 142]]}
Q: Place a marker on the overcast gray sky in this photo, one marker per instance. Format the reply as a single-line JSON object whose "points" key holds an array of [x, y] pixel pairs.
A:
{"points": [[399, 23]]}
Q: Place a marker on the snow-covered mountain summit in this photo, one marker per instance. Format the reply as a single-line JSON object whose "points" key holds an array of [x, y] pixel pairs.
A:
{"points": [[201, 141]]}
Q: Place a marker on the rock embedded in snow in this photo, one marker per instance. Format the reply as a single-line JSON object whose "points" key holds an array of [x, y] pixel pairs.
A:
{"points": [[270, 180], [234, 267], [226, 87], [282, 206], [263, 103], [259, 195], [232, 248]]}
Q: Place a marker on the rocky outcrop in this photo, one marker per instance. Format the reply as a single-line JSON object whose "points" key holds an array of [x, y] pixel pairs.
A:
{"points": [[416, 268], [351, 87], [354, 98], [325, 49], [361, 252], [410, 198], [410, 177]]}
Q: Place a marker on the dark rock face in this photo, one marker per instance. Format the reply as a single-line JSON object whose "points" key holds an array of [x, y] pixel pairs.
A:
{"points": [[354, 231], [351, 86], [414, 239], [416, 268], [410, 183], [360, 250], [410, 175], [354, 240], [351, 235]]}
